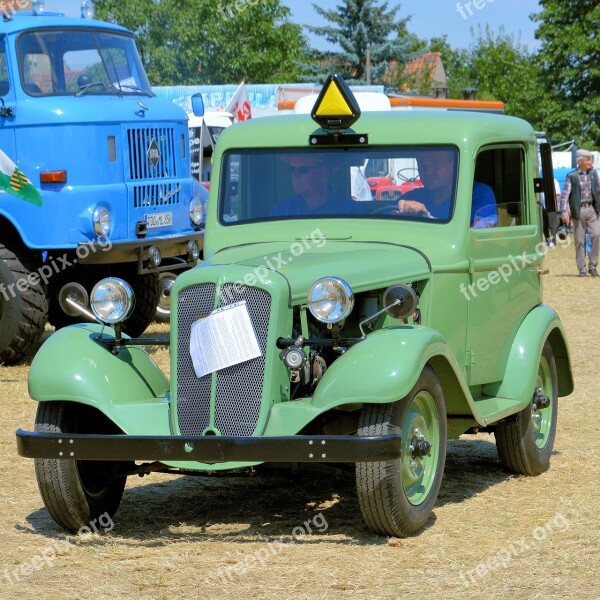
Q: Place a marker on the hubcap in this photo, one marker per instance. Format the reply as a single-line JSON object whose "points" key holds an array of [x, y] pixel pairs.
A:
{"points": [[165, 283], [420, 435], [541, 418]]}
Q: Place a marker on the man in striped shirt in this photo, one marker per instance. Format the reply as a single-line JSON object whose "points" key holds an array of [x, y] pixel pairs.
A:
{"points": [[581, 198]]}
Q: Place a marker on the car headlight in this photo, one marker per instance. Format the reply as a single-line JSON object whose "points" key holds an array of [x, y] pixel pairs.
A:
{"points": [[112, 300], [101, 220], [198, 204], [330, 299]]}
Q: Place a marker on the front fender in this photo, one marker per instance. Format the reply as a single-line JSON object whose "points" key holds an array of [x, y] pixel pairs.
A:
{"points": [[128, 388], [540, 324], [384, 368]]}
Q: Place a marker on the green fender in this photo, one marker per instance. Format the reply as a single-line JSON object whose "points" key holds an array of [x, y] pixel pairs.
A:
{"points": [[128, 388], [541, 324], [386, 365]]}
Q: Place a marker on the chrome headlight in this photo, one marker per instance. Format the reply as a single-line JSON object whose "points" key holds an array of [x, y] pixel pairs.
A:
{"points": [[101, 220], [112, 300], [198, 203], [330, 299]]}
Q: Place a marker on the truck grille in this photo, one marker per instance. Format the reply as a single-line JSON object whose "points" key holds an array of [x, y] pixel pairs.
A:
{"points": [[238, 389], [164, 194], [151, 153]]}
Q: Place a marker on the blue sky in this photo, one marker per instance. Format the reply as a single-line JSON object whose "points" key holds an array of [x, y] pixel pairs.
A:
{"points": [[429, 17]]}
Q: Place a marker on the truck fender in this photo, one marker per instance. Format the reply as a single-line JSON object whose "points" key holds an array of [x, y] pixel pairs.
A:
{"points": [[541, 324], [386, 365], [71, 366]]}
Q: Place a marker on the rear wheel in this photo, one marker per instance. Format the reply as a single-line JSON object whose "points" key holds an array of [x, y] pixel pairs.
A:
{"points": [[525, 443], [23, 314], [397, 497], [75, 492]]}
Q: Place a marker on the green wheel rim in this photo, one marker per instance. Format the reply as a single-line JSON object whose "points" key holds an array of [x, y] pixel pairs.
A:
{"points": [[421, 424], [542, 418]]}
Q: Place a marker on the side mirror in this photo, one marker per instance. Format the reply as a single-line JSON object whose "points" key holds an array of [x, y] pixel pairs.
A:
{"points": [[198, 105], [548, 175]]}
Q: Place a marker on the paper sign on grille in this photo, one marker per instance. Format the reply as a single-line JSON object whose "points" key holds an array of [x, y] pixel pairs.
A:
{"points": [[224, 338]]}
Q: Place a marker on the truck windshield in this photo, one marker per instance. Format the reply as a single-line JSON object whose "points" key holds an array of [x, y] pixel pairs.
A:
{"points": [[77, 62], [417, 183]]}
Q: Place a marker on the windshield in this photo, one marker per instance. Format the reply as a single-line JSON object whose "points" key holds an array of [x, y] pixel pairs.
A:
{"points": [[79, 62], [416, 182]]}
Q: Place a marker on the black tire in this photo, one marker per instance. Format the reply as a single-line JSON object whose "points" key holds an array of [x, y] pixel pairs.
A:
{"points": [[147, 294], [397, 497], [23, 315], [76, 492], [525, 442]]}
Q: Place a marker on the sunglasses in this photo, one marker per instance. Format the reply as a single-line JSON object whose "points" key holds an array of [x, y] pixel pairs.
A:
{"points": [[300, 170]]}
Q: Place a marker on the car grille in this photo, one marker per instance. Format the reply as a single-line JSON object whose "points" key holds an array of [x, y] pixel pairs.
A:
{"points": [[160, 142], [156, 195], [238, 389]]}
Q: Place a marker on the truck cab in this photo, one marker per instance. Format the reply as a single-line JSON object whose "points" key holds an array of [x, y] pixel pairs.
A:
{"points": [[78, 116]]}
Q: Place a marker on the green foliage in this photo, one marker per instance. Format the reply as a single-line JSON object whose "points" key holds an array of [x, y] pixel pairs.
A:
{"points": [[570, 64], [367, 32], [196, 42]]}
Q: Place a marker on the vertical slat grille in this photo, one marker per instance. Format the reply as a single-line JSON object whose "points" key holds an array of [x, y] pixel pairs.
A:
{"points": [[139, 141], [193, 394], [239, 388], [156, 195]]}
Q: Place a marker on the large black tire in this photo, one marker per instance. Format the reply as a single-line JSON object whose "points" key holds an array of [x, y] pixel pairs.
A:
{"points": [[75, 492], [397, 497], [147, 295], [525, 441], [23, 315]]}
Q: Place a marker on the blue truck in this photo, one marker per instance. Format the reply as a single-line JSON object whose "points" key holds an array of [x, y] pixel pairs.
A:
{"points": [[78, 117]]}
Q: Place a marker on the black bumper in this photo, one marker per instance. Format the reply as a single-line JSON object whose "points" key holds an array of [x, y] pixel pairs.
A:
{"points": [[211, 449]]}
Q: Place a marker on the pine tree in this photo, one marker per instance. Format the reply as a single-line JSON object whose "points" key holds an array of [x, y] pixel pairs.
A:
{"points": [[369, 37]]}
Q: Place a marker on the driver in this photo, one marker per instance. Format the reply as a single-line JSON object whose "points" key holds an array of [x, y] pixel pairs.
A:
{"points": [[434, 199]]}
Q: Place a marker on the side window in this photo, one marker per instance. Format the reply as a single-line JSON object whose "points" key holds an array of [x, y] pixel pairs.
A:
{"points": [[498, 190], [4, 86]]}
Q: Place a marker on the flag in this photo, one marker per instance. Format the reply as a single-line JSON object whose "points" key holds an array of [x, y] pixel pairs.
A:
{"points": [[14, 181], [239, 105]]}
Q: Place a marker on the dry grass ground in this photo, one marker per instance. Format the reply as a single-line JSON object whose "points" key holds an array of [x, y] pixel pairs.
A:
{"points": [[493, 535]]}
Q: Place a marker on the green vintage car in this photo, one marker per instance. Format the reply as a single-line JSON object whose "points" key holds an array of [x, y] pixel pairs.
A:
{"points": [[326, 324]]}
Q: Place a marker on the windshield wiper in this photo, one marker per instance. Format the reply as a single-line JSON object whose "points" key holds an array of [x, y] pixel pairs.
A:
{"points": [[135, 88], [88, 86]]}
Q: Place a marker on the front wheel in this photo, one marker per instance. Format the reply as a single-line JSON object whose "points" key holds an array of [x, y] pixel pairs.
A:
{"points": [[525, 443], [77, 492], [397, 497]]}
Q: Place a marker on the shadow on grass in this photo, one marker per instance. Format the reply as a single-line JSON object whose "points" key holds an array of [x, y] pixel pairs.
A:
{"points": [[270, 503]]}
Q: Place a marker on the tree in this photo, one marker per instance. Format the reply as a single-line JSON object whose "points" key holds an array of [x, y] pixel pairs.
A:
{"points": [[369, 37], [194, 42], [570, 63]]}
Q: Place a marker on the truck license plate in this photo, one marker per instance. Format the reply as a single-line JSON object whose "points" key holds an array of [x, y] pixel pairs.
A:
{"points": [[159, 220]]}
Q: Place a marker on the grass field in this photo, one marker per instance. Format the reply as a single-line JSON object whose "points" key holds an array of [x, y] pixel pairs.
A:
{"points": [[493, 535]]}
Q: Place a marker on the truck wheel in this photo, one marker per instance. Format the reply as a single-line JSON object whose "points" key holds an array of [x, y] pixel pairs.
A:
{"points": [[525, 443], [23, 315], [397, 497], [75, 492], [163, 310], [146, 300]]}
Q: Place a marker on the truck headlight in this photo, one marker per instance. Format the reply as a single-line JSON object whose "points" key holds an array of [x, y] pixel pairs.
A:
{"points": [[112, 300], [198, 203], [101, 220], [330, 299]]}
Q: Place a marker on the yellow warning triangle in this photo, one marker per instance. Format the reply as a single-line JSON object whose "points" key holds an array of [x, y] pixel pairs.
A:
{"points": [[333, 103]]}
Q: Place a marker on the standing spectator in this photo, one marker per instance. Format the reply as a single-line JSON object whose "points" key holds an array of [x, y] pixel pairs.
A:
{"points": [[581, 197]]}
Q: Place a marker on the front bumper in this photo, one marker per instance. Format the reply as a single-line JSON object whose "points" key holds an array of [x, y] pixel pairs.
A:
{"points": [[137, 250], [208, 449]]}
